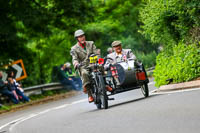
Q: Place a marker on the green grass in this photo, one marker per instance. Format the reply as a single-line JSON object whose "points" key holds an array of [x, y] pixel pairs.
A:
{"points": [[34, 97], [4, 107], [47, 93]]}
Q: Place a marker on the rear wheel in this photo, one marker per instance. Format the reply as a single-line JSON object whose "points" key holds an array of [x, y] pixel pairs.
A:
{"points": [[145, 90], [102, 93]]}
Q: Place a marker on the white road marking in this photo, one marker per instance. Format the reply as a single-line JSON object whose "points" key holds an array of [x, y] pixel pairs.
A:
{"points": [[80, 101], [45, 111], [13, 123], [22, 119], [151, 83], [60, 107], [171, 92]]}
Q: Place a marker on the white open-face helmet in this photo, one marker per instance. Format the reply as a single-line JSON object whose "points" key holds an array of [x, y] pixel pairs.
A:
{"points": [[78, 33]]}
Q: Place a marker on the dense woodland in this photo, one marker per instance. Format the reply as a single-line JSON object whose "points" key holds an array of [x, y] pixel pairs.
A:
{"points": [[41, 33]]}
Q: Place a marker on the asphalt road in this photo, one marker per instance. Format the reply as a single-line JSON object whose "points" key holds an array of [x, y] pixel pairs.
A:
{"points": [[130, 112]]}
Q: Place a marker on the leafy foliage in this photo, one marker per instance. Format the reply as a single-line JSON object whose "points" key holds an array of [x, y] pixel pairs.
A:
{"points": [[174, 24], [169, 21], [41, 31], [182, 64], [50, 52], [148, 60], [118, 20]]}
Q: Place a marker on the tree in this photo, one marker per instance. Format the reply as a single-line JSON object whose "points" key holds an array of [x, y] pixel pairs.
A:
{"points": [[118, 20], [176, 25], [170, 21], [30, 30]]}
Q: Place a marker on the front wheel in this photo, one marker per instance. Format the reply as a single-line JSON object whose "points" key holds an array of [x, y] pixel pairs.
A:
{"points": [[145, 90], [98, 105], [102, 93]]}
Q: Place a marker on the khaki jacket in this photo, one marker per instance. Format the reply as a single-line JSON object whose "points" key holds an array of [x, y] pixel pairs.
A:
{"points": [[79, 55]]}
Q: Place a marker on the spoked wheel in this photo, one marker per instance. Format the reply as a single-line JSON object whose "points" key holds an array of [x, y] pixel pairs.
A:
{"points": [[103, 100], [145, 90], [98, 105]]}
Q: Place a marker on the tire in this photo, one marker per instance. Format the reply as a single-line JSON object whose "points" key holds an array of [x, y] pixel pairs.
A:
{"points": [[97, 97], [98, 102], [102, 93], [98, 105], [145, 90]]}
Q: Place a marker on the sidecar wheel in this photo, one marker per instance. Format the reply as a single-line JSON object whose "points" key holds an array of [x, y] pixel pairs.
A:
{"points": [[145, 89], [104, 101]]}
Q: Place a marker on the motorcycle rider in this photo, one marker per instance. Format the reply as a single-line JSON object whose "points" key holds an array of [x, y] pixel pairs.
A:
{"points": [[80, 58], [119, 54]]}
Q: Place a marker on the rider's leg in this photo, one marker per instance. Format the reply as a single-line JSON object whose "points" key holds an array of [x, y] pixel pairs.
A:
{"points": [[86, 84], [108, 88], [90, 97], [87, 90], [85, 80]]}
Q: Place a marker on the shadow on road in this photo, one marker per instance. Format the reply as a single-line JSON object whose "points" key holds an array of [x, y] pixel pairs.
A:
{"points": [[124, 103], [131, 101]]}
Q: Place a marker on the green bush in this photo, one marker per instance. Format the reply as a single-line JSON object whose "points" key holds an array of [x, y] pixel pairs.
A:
{"points": [[149, 60], [181, 64], [169, 21]]}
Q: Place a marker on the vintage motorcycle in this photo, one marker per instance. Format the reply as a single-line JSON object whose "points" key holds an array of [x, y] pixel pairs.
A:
{"points": [[123, 76]]}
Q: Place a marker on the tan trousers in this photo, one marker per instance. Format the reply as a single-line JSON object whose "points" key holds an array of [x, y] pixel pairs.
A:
{"points": [[84, 76]]}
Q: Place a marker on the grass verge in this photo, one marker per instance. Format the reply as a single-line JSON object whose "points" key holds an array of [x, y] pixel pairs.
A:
{"points": [[47, 96]]}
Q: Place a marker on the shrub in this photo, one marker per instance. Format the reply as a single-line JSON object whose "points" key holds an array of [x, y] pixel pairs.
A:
{"points": [[148, 60], [181, 64], [169, 21]]}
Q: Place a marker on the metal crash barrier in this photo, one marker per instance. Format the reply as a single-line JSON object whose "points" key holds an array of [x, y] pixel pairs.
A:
{"points": [[38, 89]]}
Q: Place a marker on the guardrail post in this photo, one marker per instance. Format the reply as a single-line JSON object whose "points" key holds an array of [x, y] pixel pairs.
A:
{"points": [[42, 90]]}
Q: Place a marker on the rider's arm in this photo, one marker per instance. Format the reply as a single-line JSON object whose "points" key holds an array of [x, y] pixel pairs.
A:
{"points": [[108, 62], [74, 58], [130, 55]]}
